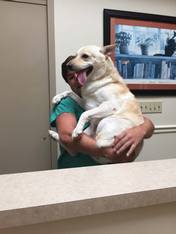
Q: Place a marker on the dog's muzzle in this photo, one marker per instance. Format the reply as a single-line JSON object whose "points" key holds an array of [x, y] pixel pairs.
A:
{"points": [[80, 75]]}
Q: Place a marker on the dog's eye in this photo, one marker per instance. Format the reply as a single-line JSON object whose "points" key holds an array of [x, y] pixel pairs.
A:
{"points": [[85, 56]]}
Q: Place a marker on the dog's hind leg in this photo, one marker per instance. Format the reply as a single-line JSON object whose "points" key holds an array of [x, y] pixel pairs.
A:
{"points": [[108, 128]]}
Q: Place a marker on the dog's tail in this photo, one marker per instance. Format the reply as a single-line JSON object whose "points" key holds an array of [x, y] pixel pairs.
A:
{"points": [[54, 135]]}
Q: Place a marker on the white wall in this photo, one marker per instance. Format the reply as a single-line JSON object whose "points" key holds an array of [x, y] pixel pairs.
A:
{"points": [[79, 23]]}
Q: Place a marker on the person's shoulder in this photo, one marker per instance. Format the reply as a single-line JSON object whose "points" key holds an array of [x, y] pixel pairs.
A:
{"points": [[68, 100], [65, 105], [68, 104]]}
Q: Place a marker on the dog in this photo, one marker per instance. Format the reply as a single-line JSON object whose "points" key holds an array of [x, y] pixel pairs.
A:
{"points": [[110, 106]]}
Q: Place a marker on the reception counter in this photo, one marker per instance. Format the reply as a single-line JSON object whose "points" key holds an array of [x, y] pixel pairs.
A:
{"points": [[43, 197]]}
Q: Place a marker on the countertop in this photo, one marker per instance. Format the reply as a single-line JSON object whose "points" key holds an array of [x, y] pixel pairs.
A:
{"points": [[44, 196]]}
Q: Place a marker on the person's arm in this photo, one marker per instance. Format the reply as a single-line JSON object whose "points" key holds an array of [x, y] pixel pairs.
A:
{"points": [[65, 124], [124, 144], [131, 138]]}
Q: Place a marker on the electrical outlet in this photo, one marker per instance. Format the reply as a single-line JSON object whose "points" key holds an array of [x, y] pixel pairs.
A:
{"points": [[151, 107]]}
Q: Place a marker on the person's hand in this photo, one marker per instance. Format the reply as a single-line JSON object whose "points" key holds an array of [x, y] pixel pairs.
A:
{"points": [[109, 153], [128, 141]]}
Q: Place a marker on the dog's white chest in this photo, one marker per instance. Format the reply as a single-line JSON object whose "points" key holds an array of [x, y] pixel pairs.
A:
{"points": [[104, 93]]}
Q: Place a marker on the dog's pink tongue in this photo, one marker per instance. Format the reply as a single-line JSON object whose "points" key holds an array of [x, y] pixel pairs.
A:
{"points": [[82, 77]]}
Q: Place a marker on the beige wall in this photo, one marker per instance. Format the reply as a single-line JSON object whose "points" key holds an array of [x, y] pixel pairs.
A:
{"points": [[79, 23], [159, 219]]}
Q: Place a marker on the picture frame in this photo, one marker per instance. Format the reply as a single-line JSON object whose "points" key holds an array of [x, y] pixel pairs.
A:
{"points": [[145, 52]]}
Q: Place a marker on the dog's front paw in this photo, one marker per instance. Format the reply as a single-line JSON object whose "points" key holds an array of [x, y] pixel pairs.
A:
{"points": [[56, 99], [76, 133]]}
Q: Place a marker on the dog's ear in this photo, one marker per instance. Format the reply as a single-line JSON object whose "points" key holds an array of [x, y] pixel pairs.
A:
{"points": [[107, 50]]}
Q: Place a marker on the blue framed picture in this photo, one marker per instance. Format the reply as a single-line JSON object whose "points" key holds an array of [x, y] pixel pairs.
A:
{"points": [[145, 53]]}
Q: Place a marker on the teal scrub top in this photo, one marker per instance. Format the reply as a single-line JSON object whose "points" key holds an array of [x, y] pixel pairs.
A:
{"points": [[65, 160]]}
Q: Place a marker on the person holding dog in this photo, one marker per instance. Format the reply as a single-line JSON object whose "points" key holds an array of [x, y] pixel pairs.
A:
{"points": [[65, 116]]}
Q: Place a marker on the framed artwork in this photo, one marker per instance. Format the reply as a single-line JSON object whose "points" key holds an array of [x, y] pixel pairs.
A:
{"points": [[145, 53]]}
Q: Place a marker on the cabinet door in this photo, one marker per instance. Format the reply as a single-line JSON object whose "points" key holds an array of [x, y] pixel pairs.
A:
{"points": [[24, 88]]}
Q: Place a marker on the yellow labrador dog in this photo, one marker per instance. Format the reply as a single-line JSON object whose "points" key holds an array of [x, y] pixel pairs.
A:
{"points": [[110, 106]]}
